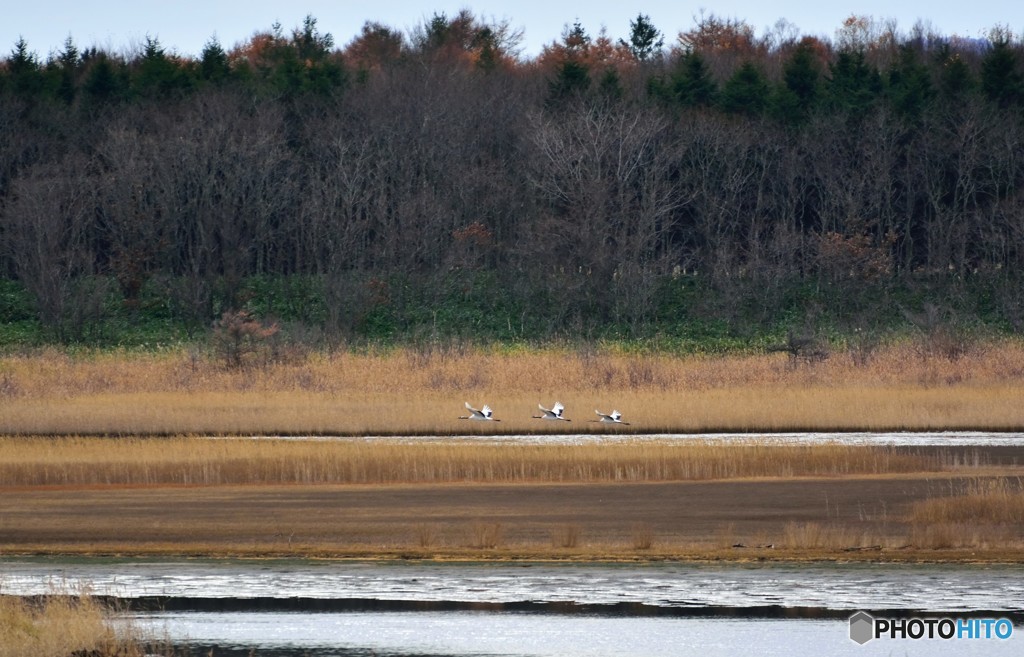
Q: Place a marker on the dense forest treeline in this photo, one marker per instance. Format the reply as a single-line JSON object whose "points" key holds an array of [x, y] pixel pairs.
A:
{"points": [[697, 186]]}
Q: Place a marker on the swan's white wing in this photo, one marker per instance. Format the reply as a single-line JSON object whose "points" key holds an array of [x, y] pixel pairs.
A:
{"points": [[616, 416], [557, 409], [487, 411]]}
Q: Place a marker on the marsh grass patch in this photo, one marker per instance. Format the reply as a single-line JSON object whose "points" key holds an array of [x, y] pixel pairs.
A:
{"points": [[420, 390]]}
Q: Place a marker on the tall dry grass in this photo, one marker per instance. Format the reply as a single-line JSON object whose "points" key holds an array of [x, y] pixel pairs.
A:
{"points": [[829, 536], [982, 501], [642, 536], [64, 625], [422, 391], [26, 461], [984, 513], [566, 535]]}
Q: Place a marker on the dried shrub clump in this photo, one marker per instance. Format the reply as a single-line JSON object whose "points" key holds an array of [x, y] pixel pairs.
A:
{"points": [[238, 337]]}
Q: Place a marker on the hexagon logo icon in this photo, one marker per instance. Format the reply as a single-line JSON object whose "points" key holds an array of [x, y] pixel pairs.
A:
{"points": [[862, 627]]}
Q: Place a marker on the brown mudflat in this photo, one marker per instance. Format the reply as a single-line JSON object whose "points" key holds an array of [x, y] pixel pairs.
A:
{"points": [[830, 516]]}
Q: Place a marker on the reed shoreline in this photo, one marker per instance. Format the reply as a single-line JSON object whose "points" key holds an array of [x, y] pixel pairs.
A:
{"points": [[899, 387], [76, 461], [100, 454]]}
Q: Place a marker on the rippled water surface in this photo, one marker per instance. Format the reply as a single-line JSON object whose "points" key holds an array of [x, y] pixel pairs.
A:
{"points": [[571, 609], [905, 439], [827, 586]]}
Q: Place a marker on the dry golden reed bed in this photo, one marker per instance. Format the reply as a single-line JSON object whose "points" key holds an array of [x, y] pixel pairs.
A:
{"points": [[64, 624], [409, 391], [28, 461], [987, 512]]}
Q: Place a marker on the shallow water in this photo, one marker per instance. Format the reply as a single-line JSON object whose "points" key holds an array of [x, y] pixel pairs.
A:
{"points": [[535, 635], [898, 439], [578, 610], [930, 588]]}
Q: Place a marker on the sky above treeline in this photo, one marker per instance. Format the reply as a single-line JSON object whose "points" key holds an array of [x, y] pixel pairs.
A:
{"points": [[183, 27]]}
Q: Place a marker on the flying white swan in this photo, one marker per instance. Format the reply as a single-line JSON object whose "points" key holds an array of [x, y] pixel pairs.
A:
{"points": [[553, 413], [481, 414], [613, 417]]}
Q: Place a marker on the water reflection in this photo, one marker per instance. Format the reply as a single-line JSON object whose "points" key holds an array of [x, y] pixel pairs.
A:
{"points": [[343, 585], [467, 634], [890, 438]]}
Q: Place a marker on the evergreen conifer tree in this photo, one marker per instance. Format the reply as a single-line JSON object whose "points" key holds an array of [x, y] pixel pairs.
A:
{"points": [[157, 76], [24, 70], [955, 77], [854, 86], [910, 86], [572, 77], [68, 62], [745, 92], [213, 62], [1001, 80], [795, 98], [692, 84], [645, 41], [103, 83]]}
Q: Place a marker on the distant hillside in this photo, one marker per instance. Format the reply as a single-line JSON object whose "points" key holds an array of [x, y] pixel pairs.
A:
{"points": [[709, 186]]}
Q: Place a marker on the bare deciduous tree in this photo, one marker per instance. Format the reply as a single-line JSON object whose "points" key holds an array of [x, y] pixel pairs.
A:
{"points": [[48, 238]]}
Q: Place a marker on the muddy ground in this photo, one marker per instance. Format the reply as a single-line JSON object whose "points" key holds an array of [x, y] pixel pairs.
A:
{"points": [[683, 519]]}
